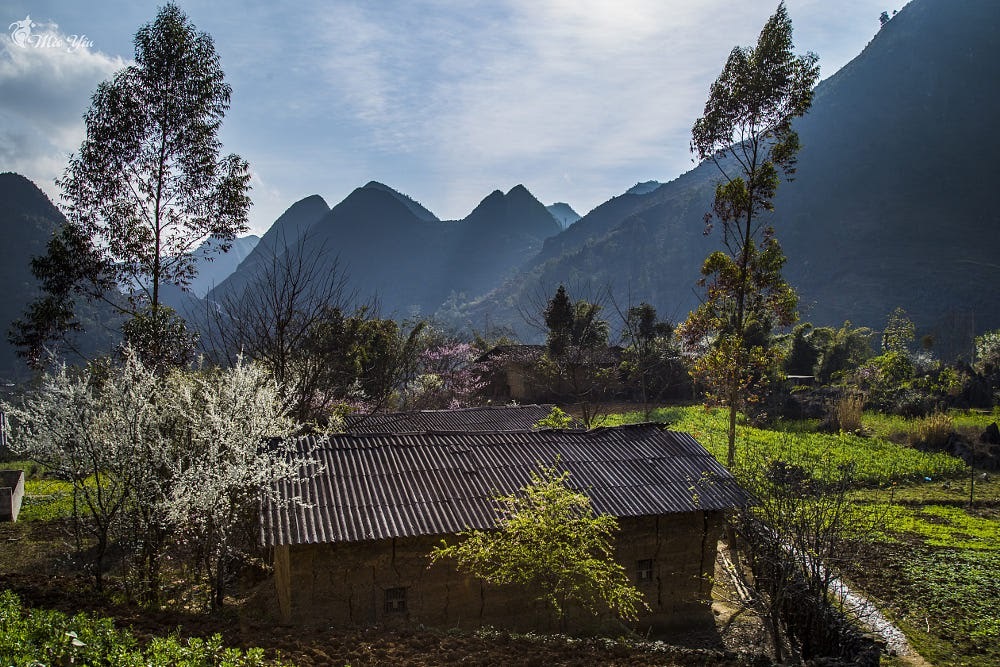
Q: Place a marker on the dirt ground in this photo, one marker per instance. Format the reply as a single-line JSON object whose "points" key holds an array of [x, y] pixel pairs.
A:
{"points": [[35, 564]]}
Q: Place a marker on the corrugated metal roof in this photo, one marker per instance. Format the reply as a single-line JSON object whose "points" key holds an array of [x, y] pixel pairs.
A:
{"points": [[487, 418], [356, 487]]}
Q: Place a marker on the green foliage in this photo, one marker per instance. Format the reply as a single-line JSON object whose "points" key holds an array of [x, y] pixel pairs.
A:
{"points": [[555, 419], [841, 350], [558, 318], [747, 131], [899, 332], [877, 461], [803, 354], [886, 372], [147, 186], [161, 337], [651, 358], [575, 364], [573, 325], [549, 540], [988, 352], [31, 637], [944, 526], [952, 593]]}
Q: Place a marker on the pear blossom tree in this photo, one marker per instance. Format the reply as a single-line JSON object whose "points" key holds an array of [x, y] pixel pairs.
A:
{"points": [[97, 428], [235, 442], [159, 460]]}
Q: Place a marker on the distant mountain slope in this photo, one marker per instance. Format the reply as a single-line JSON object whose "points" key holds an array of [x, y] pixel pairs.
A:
{"points": [[391, 247], [892, 205], [284, 232], [27, 221], [415, 208], [563, 213], [643, 188], [214, 267]]}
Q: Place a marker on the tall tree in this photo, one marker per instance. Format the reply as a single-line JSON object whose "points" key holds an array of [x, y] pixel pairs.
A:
{"points": [[747, 133], [147, 187], [558, 318], [899, 332], [577, 362]]}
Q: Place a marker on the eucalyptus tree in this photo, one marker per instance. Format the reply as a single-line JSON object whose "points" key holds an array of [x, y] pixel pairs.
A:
{"points": [[146, 188], [746, 131]]}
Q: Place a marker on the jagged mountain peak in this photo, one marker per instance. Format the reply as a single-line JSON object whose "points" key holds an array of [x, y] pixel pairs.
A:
{"points": [[413, 205], [643, 188], [563, 213]]}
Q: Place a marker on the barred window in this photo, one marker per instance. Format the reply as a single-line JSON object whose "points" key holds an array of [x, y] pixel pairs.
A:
{"points": [[395, 600], [644, 570]]}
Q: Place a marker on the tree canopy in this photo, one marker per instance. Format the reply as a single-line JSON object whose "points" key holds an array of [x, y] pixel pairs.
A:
{"points": [[746, 130], [549, 540], [146, 188]]}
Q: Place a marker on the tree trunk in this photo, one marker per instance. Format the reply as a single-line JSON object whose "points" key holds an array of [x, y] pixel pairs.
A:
{"points": [[220, 584]]}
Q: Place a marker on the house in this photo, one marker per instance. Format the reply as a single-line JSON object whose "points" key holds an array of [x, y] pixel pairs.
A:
{"points": [[484, 418], [353, 548], [515, 373], [11, 494]]}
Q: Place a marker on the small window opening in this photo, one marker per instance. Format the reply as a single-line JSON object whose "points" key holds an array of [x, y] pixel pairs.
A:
{"points": [[644, 570], [395, 600]]}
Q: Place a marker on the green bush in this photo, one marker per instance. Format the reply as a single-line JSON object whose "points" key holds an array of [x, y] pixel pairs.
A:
{"points": [[29, 637]]}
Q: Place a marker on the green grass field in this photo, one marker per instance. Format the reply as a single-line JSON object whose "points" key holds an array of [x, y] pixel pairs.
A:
{"points": [[45, 499], [878, 461]]}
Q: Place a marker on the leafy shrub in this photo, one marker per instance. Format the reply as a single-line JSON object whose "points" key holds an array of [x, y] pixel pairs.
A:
{"points": [[555, 419], [29, 637]]}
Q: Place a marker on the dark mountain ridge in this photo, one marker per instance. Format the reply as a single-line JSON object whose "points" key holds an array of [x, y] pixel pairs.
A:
{"points": [[284, 232], [392, 248], [892, 202]]}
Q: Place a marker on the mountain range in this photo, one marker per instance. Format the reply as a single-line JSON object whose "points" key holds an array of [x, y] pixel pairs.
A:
{"points": [[892, 202], [892, 205], [390, 247]]}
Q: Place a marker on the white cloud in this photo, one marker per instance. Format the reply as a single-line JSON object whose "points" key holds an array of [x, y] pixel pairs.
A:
{"points": [[45, 88], [450, 99]]}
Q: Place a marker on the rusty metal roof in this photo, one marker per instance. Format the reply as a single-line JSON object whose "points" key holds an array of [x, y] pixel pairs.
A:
{"points": [[357, 487], [487, 418]]}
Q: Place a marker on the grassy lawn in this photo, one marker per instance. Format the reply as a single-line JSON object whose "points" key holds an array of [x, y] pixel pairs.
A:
{"points": [[878, 460], [45, 499]]}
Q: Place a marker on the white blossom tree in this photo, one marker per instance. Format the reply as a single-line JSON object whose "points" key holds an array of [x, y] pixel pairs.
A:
{"points": [[156, 460], [99, 429], [235, 429]]}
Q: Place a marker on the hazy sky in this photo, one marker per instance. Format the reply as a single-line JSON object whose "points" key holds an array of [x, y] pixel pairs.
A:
{"points": [[443, 100]]}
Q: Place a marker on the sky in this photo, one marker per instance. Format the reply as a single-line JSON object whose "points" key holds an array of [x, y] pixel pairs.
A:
{"points": [[443, 100]]}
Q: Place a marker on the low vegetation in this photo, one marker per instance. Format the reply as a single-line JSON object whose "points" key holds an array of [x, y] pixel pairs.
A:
{"points": [[877, 460], [31, 637]]}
